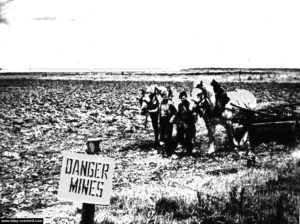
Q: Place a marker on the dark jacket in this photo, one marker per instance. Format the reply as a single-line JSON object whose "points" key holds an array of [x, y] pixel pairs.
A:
{"points": [[185, 115], [167, 110], [221, 98]]}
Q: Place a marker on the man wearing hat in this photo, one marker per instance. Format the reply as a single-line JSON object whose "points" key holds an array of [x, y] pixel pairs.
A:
{"points": [[167, 114], [185, 123]]}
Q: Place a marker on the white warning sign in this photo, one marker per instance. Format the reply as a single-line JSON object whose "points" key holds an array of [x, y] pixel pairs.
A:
{"points": [[86, 178]]}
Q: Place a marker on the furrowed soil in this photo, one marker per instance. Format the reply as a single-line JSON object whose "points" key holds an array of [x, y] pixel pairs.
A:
{"points": [[40, 119]]}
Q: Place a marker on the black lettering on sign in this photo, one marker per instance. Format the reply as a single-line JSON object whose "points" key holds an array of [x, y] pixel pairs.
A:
{"points": [[69, 166], [76, 167], [85, 186], [73, 185], [92, 164], [105, 170], [83, 168], [100, 189], [87, 168], [97, 170], [79, 185], [91, 192]]}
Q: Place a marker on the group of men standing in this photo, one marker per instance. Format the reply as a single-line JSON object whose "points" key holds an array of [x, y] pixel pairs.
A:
{"points": [[184, 119]]}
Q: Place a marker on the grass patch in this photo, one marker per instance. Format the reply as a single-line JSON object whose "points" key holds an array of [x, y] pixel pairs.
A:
{"points": [[177, 208], [239, 207], [274, 201]]}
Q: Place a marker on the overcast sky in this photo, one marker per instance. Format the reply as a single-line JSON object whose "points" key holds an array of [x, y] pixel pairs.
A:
{"points": [[167, 34]]}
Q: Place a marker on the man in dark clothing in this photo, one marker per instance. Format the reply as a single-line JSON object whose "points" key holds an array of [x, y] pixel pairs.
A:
{"points": [[185, 123], [167, 114], [221, 98]]}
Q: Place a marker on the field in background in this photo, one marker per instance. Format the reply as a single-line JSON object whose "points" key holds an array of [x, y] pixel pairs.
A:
{"points": [[41, 118], [222, 75]]}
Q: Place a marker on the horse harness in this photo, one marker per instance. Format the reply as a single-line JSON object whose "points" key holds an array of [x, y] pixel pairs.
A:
{"points": [[205, 102]]}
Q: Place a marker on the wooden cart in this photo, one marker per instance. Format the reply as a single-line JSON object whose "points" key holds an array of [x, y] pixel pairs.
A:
{"points": [[272, 124]]}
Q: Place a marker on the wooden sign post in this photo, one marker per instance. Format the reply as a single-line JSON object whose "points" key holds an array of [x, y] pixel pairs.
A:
{"points": [[88, 210]]}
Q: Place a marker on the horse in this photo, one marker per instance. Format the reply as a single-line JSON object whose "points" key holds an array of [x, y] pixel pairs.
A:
{"points": [[204, 104], [150, 100]]}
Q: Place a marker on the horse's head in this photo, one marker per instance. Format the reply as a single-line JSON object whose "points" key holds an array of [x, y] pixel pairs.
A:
{"points": [[148, 100], [203, 99]]}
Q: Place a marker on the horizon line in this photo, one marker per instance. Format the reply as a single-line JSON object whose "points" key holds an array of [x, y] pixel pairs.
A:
{"points": [[9, 70]]}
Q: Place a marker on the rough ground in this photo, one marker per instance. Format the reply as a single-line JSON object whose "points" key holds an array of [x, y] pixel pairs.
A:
{"points": [[41, 118]]}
